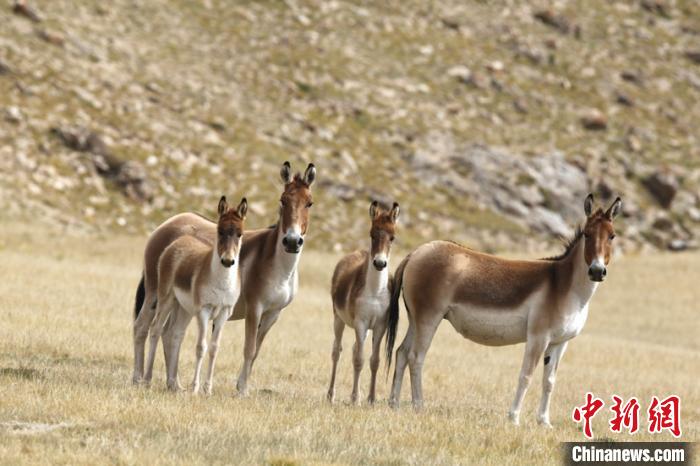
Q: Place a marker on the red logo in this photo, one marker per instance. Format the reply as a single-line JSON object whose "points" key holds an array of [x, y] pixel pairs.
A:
{"points": [[586, 413], [665, 415]]}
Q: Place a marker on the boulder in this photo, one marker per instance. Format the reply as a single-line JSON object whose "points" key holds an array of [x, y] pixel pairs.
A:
{"points": [[663, 186]]}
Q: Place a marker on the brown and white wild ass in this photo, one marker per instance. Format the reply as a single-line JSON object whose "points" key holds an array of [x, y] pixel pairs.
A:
{"points": [[268, 267], [495, 301], [196, 279], [360, 290]]}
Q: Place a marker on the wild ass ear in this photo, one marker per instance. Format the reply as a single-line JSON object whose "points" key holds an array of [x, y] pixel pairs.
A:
{"points": [[394, 212], [223, 206], [373, 209], [310, 174], [588, 205], [614, 209], [242, 208], [286, 172]]}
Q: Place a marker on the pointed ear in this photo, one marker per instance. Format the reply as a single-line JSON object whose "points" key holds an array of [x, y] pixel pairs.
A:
{"points": [[310, 174], [223, 206], [373, 209], [242, 208], [286, 172], [614, 209], [394, 212], [588, 205]]}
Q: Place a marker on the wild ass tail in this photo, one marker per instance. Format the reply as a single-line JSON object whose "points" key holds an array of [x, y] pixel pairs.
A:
{"points": [[140, 296], [393, 320]]}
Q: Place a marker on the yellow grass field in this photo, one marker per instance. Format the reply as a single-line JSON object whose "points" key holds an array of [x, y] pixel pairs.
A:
{"points": [[66, 305]]}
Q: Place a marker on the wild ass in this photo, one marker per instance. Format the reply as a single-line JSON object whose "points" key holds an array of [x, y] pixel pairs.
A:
{"points": [[195, 278], [361, 288], [495, 301], [268, 267]]}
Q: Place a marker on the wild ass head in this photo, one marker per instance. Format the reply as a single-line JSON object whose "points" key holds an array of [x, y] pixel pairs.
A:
{"points": [[598, 234], [382, 233], [295, 206], [229, 230]]}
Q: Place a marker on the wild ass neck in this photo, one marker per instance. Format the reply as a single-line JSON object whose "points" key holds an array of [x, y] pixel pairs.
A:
{"points": [[221, 276], [582, 287], [375, 280]]}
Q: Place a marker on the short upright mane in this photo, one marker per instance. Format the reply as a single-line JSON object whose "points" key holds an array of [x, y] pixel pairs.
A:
{"points": [[569, 245]]}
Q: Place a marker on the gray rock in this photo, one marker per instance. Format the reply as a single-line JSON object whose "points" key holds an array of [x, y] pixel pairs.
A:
{"points": [[663, 186]]}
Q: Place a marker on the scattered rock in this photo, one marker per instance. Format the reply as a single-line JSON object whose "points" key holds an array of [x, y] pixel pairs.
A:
{"points": [[13, 115], [694, 56], [4, 68], [450, 23], [624, 99], [594, 120], [677, 245], [658, 7], [21, 8], [557, 21], [461, 73], [663, 186], [663, 223], [53, 38]]}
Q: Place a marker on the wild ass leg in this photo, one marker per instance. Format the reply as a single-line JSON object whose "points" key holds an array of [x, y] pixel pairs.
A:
{"points": [[400, 366], [425, 331], [219, 323], [534, 347], [552, 356], [179, 320], [141, 326], [252, 321], [377, 334], [163, 310], [338, 328], [358, 360], [202, 322], [266, 322]]}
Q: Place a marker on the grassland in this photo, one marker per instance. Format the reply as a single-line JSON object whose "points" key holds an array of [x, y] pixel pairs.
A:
{"points": [[65, 367]]}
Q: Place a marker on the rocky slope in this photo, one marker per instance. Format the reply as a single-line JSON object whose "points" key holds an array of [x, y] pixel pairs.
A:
{"points": [[487, 121]]}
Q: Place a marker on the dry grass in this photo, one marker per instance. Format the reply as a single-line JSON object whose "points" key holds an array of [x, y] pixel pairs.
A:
{"points": [[65, 367]]}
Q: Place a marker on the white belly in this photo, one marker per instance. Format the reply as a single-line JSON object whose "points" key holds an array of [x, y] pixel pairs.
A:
{"points": [[369, 308], [493, 327]]}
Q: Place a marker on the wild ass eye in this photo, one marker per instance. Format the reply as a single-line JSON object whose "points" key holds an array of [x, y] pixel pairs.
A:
{"points": [[309, 204], [611, 237], [391, 239]]}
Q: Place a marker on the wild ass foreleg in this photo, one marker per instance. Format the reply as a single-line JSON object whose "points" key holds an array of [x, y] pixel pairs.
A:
{"points": [[338, 328], [267, 320], [377, 334], [534, 347], [552, 356], [400, 366], [202, 322], [358, 360], [219, 323], [141, 326], [179, 320], [252, 321], [163, 310]]}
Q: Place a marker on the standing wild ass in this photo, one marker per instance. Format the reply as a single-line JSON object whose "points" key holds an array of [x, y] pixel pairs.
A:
{"points": [[195, 278], [361, 289], [268, 262], [495, 301]]}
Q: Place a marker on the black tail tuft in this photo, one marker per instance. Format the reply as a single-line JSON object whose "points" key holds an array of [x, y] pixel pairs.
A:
{"points": [[140, 296], [393, 320]]}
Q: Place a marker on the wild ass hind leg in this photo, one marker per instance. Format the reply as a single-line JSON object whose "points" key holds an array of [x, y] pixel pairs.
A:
{"points": [[377, 335], [400, 366], [179, 320], [424, 332], [534, 348], [219, 323], [552, 356], [358, 360], [141, 325], [338, 329], [163, 310], [202, 321]]}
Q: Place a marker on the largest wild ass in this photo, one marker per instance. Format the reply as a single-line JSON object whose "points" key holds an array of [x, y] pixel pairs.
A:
{"points": [[360, 290], [495, 301], [268, 267], [197, 279]]}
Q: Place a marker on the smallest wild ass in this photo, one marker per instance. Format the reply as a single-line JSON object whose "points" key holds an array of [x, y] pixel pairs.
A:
{"points": [[361, 289], [202, 280], [496, 302]]}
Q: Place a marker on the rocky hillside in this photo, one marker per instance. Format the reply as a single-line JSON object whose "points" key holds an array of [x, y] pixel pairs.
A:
{"points": [[487, 121]]}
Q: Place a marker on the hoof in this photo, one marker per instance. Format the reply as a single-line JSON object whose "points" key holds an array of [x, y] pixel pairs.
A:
{"points": [[207, 389], [544, 423], [393, 404], [174, 386], [195, 388], [330, 396], [514, 418]]}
